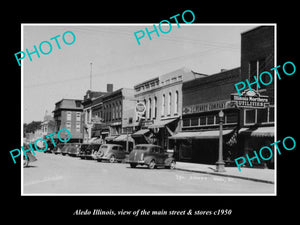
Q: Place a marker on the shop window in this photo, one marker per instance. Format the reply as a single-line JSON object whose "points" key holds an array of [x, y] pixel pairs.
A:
{"points": [[271, 114], [262, 115], [210, 120], [186, 122], [231, 118], [250, 116], [195, 121], [202, 120]]}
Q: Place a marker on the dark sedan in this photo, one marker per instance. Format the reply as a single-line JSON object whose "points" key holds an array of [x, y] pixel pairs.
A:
{"points": [[88, 151], [152, 156], [74, 149]]}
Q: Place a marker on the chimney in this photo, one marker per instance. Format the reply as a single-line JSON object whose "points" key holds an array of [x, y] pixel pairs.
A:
{"points": [[109, 88]]}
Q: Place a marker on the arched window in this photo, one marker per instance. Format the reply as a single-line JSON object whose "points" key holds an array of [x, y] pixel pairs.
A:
{"points": [[155, 108], [163, 103], [149, 108], [176, 102], [169, 103], [120, 110]]}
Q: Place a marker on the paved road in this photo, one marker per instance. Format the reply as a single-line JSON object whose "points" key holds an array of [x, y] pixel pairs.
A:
{"points": [[57, 174]]}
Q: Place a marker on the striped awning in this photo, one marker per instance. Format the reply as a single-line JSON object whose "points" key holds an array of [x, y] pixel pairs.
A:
{"points": [[258, 132]]}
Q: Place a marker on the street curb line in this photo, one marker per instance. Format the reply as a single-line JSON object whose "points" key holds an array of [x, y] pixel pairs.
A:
{"points": [[227, 175]]}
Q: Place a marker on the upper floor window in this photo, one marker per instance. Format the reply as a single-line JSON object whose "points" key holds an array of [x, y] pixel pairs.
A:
{"points": [[169, 103], [176, 102], [163, 103], [69, 115], [78, 116], [155, 108]]}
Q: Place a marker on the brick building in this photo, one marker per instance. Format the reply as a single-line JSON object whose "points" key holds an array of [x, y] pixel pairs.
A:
{"points": [[92, 112], [245, 128], [257, 55], [67, 114], [203, 99]]}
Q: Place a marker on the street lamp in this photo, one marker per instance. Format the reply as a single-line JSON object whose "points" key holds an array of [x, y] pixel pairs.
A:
{"points": [[220, 163]]}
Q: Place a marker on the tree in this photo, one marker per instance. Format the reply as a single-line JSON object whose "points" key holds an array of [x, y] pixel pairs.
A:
{"points": [[31, 127]]}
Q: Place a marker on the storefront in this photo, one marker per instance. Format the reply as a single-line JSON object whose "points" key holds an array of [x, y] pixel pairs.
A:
{"points": [[198, 141], [203, 99]]}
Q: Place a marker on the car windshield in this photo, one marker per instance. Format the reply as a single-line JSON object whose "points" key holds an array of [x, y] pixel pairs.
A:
{"points": [[104, 148], [84, 146], [142, 148], [93, 147]]}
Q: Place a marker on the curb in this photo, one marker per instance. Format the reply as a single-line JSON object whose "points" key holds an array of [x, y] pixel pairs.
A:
{"points": [[227, 175]]}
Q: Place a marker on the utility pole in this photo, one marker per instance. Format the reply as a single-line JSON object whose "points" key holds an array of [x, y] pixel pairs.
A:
{"points": [[91, 77]]}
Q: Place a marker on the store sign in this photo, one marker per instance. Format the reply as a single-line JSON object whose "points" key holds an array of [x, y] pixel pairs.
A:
{"points": [[211, 106], [250, 99], [140, 109]]}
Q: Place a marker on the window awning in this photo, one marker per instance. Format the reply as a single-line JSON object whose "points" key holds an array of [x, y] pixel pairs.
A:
{"points": [[213, 134], [258, 132], [140, 132], [123, 137], [161, 123]]}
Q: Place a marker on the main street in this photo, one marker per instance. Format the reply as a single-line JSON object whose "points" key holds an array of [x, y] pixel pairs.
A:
{"points": [[57, 174]]}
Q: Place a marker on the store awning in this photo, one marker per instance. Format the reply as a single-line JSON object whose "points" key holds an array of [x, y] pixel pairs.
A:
{"points": [[110, 138], [123, 137], [140, 132], [213, 134], [258, 132], [95, 141], [161, 123]]}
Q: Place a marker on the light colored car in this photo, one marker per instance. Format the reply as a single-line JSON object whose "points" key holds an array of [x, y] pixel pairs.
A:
{"points": [[111, 152]]}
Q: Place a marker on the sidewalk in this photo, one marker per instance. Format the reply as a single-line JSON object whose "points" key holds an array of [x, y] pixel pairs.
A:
{"points": [[255, 174]]}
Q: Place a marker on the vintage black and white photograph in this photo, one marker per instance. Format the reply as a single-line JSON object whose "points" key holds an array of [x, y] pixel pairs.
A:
{"points": [[149, 109]]}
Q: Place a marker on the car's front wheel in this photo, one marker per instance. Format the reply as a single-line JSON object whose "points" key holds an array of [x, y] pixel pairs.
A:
{"points": [[152, 164], [25, 162], [112, 159], [172, 165]]}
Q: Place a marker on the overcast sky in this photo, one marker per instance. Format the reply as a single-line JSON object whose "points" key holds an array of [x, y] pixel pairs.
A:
{"points": [[117, 58]]}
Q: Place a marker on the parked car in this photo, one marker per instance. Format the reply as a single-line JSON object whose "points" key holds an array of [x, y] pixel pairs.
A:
{"points": [[64, 149], [50, 147], [89, 152], [151, 155], [74, 149], [57, 149], [83, 148], [111, 152]]}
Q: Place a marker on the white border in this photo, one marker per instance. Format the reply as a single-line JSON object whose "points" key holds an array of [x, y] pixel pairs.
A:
{"points": [[147, 24]]}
